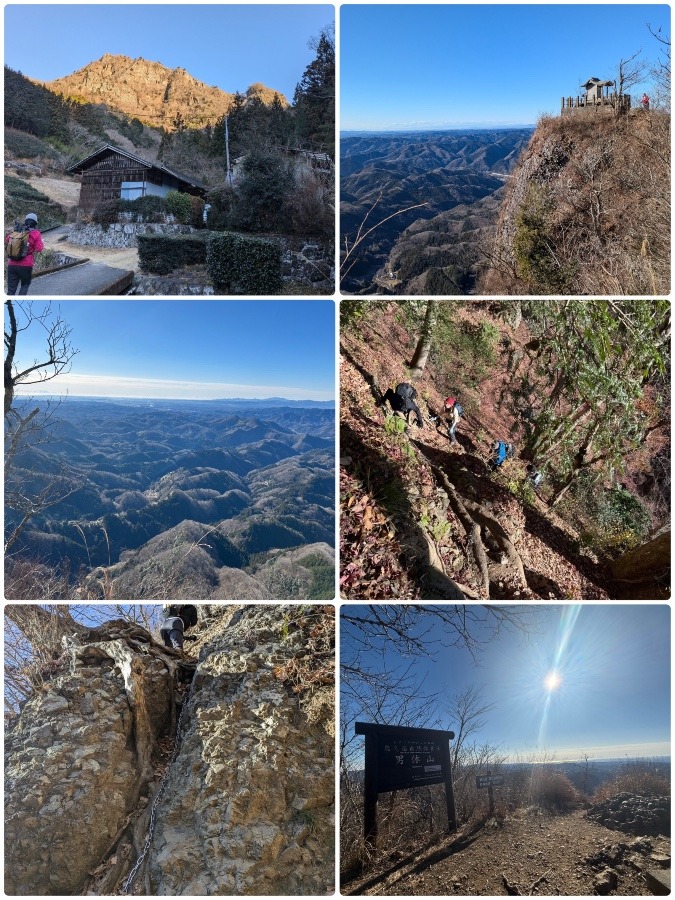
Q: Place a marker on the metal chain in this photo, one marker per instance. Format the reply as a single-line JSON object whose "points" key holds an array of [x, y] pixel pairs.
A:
{"points": [[158, 796]]}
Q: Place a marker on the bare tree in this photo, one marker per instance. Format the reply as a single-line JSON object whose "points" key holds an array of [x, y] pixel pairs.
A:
{"points": [[660, 71], [27, 425], [630, 72], [33, 636], [350, 255]]}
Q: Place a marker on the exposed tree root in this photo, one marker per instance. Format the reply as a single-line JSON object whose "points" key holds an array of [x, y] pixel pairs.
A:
{"points": [[472, 516]]}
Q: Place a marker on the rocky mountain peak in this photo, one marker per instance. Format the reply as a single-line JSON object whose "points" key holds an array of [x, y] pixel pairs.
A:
{"points": [[151, 92]]}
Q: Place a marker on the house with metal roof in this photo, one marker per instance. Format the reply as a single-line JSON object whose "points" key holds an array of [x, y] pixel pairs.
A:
{"points": [[111, 173]]}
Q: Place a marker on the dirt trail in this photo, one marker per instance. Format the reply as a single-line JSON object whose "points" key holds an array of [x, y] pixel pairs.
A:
{"points": [[531, 853], [117, 257]]}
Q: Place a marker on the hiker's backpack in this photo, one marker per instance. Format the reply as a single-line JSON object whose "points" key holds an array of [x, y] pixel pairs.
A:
{"points": [[188, 614], [407, 391], [17, 247], [459, 409]]}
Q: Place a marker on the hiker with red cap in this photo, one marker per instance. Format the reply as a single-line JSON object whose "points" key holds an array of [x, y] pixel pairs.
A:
{"points": [[453, 411]]}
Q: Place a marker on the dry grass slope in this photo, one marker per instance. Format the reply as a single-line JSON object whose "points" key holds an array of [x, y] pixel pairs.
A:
{"points": [[588, 210]]}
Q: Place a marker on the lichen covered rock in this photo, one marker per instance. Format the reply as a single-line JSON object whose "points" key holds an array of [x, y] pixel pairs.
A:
{"points": [[78, 758], [250, 800]]}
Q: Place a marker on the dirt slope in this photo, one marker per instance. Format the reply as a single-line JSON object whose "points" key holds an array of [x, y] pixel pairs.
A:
{"points": [[399, 537], [531, 853]]}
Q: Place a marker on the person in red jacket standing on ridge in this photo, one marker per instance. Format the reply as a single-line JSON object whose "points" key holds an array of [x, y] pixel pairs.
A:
{"points": [[20, 270]]}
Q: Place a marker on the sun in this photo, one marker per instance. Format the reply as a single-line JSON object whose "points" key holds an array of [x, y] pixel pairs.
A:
{"points": [[552, 681]]}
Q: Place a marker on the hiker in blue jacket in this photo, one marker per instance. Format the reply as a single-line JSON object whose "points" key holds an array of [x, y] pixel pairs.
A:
{"points": [[501, 451]]}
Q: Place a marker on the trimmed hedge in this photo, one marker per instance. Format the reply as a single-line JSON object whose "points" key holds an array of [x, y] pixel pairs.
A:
{"points": [[243, 265], [162, 253]]}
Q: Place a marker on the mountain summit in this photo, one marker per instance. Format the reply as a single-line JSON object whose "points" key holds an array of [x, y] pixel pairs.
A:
{"points": [[149, 91]]}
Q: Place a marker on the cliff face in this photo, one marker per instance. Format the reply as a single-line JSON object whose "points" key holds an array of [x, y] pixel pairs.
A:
{"points": [[247, 803], [152, 93], [587, 210]]}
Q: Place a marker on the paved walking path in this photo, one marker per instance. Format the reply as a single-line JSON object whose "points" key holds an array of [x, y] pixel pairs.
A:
{"points": [[89, 278]]}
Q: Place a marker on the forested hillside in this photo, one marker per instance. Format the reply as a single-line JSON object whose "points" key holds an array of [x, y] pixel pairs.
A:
{"points": [[580, 388], [415, 208]]}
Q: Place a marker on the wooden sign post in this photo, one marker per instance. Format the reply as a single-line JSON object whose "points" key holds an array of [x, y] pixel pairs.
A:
{"points": [[397, 758], [489, 781]]}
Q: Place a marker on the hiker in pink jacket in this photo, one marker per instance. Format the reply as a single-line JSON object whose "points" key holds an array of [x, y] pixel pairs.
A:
{"points": [[21, 247]]}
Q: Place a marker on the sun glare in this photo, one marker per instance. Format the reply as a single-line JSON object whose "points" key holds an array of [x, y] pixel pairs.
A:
{"points": [[552, 681]]}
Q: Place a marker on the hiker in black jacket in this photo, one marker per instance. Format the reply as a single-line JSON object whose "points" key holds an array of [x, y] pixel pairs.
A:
{"points": [[403, 401], [177, 619]]}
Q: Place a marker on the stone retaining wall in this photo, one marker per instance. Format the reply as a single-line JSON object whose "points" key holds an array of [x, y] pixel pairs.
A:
{"points": [[121, 234]]}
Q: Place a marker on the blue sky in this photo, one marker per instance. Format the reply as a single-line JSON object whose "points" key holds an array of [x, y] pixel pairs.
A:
{"points": [[227, 46], [443, 66], [196, 349], [613, 695]]}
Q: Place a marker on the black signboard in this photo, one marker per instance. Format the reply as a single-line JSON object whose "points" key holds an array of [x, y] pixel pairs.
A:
{"points": [[483, 781], [398, 758], [403, 763]]}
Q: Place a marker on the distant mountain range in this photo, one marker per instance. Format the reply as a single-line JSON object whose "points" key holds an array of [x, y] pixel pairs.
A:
{"points": [[430, 248], [187, 498], [221, 403], [152, 93]]}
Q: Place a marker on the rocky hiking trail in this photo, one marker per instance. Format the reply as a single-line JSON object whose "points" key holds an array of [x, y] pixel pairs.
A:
{"points": [[529, 854], [197, 773], [422, 519]]}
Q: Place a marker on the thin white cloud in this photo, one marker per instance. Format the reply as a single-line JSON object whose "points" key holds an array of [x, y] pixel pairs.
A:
{"points": [[606, 751], [157, 389]]}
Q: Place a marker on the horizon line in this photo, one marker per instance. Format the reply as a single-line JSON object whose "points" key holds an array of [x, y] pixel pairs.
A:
{"points": [[130, 387], [49, 396], [457, 126]]}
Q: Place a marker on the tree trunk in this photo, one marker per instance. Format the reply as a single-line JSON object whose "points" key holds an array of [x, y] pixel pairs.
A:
{"points": [[644, 573], [421, 354]]}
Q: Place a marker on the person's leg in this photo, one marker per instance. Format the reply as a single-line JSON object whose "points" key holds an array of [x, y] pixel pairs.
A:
{"points": [[416, 410], [12, 280], [176, 639], [451, 431], [25, 274], [389, 397], [166, 636]]}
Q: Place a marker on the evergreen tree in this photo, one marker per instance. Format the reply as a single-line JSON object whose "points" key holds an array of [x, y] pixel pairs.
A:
{"points": [[314, 98]]}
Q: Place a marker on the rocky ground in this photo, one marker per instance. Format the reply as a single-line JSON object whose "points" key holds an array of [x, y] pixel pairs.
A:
{"points": [[529, 853]]}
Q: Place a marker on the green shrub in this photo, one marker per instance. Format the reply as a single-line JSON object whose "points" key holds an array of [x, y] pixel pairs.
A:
{"points": [[26, 146], [180, 206], [21, 198], [108, 211], [536, 263], [265, 185], [222, 202], [238, 264], [149, 208], [394, 425], [162, 253]]}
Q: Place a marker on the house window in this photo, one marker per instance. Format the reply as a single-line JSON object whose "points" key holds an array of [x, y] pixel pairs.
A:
{"points": [[132, 189]]}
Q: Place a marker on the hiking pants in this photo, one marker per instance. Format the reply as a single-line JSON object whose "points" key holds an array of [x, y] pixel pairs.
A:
{"points": [[171, 630], [451, 430], [18, 275]]}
